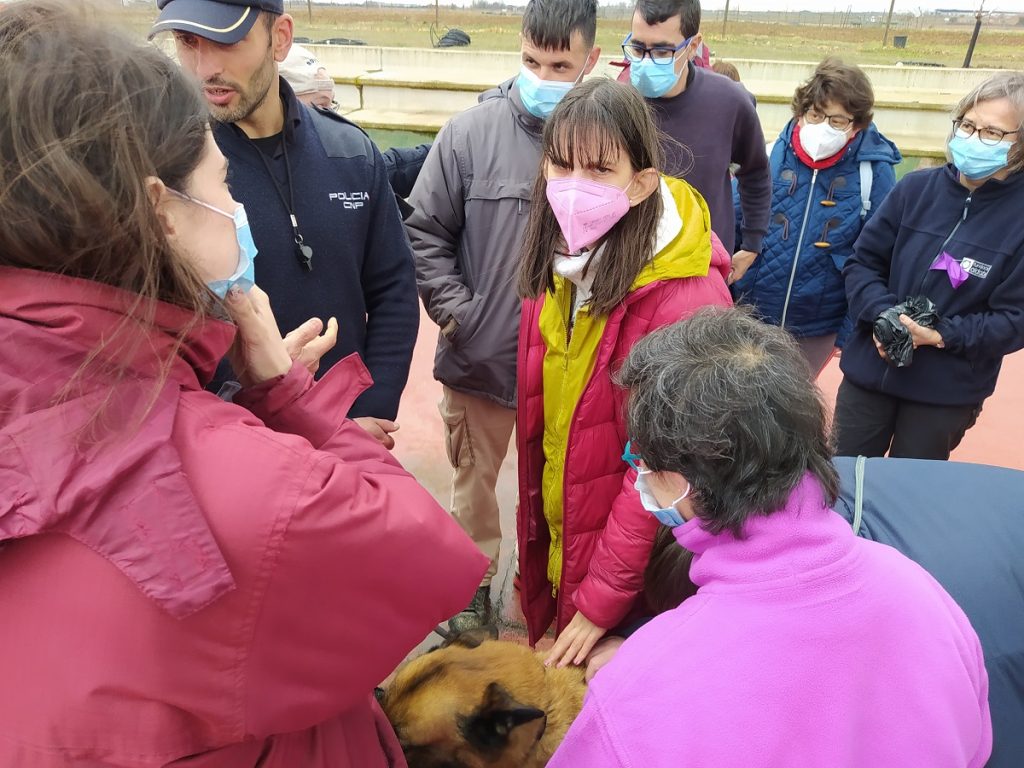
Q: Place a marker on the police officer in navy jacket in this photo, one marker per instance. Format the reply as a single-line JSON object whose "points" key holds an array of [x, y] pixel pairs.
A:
{"points": [[325, 220]]}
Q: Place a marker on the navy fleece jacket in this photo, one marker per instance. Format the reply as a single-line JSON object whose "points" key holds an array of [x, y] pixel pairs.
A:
{"points": [[362, 271], [929, 212]]}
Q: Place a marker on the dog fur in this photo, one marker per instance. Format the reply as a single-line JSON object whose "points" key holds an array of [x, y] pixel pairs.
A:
{"points": [[481, 702]]}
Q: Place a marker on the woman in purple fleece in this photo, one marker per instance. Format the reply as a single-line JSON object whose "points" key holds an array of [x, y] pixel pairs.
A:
{"points": [[804, 646]]}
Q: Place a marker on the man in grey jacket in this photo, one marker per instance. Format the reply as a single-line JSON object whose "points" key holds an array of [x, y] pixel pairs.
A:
{"points": [[471, 203]]}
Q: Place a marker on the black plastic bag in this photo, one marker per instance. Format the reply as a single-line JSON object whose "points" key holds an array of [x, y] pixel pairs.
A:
{"points": [[894, 336]]}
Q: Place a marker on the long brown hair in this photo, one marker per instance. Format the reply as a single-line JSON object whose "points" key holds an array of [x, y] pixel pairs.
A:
{"points": [[85, 117], [594, 124]]}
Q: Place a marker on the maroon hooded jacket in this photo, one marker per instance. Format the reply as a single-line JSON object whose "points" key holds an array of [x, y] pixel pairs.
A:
{"points": [[211, 586]]}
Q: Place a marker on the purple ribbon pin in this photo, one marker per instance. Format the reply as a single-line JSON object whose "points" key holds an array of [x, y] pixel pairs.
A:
{"points": [[957, 274]]}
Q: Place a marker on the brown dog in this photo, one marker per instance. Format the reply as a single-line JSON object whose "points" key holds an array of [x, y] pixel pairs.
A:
{"points": [[481, 702]]}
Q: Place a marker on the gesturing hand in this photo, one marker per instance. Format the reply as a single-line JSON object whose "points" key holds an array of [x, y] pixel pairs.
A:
{"points": [[576, 642], [306, 345]]}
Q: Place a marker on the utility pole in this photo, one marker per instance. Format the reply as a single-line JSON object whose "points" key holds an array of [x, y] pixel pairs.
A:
{"points": [[888, 21], [974, 37], [309, 10], [725, 19]]}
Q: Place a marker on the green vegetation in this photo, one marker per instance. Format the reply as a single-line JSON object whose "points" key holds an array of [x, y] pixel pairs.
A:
{"points": [[406, 27]]}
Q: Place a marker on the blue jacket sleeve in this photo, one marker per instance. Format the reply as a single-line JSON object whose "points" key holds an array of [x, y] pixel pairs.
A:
{"points": [[882, 183], [866, 273], [403, 164], [392, 305]]}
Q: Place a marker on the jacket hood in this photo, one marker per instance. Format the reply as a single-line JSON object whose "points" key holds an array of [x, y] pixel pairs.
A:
{"points": [[509, 90], [60, 452], [869, 146], [683, 242], [500, 91]]}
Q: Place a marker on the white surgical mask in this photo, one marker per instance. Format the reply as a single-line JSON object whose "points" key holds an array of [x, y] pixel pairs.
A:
{"points": [[667, 515], [821, 140]]}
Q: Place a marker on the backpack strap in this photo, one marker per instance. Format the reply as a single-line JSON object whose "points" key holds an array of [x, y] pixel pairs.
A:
{"points": [[858, 494], [867, 175]]}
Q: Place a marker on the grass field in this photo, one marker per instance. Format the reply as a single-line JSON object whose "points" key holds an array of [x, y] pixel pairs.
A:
{"points": [[403, 27]]}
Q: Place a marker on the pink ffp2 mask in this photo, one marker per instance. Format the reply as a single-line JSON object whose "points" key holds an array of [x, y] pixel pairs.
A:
{"points": [[585, 210]]}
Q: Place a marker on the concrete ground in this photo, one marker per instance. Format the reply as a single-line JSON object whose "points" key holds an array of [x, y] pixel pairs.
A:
{"points": [[995, 439]]}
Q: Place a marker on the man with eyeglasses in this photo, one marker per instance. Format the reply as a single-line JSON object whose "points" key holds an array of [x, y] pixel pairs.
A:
{"points": [[708, 120]]}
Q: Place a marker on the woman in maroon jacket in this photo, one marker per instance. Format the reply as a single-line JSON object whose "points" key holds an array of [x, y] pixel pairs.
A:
{"points": [[182, 581]]}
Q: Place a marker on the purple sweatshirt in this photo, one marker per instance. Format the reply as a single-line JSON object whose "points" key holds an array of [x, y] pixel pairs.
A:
{"points": [[804, 646], [716, 124]]}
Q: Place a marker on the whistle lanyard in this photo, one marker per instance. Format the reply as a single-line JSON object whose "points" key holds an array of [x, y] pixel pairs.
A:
{"points": [[302, 251]]}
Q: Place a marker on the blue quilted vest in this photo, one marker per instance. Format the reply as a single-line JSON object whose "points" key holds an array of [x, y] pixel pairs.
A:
{"points": [[815, 218]]}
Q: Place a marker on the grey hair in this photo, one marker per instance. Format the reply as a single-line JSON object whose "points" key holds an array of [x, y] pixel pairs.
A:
{"points": [[729, 403], [1004, 85]]}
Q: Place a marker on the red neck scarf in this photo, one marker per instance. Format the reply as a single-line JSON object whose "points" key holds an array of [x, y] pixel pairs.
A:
{"points": [[818, 165]]}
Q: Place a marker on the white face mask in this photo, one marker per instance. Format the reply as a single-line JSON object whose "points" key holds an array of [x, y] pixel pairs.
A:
{"points": [[821, 140], [666, 515]]}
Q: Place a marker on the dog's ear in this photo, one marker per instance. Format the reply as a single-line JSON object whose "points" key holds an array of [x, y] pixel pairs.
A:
{"points": [[491, 726], [471, 638]]}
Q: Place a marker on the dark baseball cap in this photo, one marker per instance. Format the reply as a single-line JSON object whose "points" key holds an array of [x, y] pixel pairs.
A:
{"points": [[222, 21]]}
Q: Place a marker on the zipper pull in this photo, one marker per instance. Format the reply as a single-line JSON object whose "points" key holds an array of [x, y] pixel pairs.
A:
{"points": [[967, 204]]}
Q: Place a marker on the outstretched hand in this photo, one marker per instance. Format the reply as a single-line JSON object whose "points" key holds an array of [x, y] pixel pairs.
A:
{"points": [[575, 643]]}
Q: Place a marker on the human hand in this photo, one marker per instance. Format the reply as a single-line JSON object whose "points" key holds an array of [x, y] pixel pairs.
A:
{"points": [[603, 652], [575, 643], [306, 345], [880, 348], [379, 429], [258, 353], [921, 336], [741, 261]]}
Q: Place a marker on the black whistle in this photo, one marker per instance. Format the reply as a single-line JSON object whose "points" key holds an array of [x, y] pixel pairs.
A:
{"points": [[305, 256]]}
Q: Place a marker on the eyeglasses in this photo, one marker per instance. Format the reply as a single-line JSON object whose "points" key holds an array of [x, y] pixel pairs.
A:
{"points": [[659, 54], [990, 136], [632, 458], [839, 122]]}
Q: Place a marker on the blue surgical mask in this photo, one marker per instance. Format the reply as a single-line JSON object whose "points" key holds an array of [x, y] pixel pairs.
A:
{"points": [[244, 274], [976, 160], [654, 80], [540, 97], [666, 515]]}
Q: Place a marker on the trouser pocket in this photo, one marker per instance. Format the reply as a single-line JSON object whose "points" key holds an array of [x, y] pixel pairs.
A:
{"points": [[457, 444]]}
